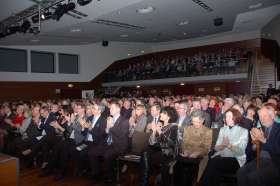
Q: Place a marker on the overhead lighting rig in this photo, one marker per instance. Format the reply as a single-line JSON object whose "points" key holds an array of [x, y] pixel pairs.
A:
{"points": [[43, 10]]}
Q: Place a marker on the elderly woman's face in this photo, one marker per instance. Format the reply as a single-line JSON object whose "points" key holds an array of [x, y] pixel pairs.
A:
{"points": [[197, 122], [229, 119]]}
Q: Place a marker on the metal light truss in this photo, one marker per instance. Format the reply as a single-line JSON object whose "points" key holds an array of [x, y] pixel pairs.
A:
{"points": [[33, 10]]}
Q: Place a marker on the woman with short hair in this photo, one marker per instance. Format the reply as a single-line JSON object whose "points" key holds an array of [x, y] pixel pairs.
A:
{"points": [[197, 142], [230, 150], [163, 150]]}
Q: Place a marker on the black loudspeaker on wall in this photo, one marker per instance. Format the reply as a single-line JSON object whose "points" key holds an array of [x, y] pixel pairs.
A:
{"points": [[105, 43]]}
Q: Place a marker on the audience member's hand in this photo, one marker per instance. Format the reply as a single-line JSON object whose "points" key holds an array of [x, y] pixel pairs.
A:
{"points": [[87, 125], [194, 155], [225, 141], [131, 122], [158, 128], [149, 127], [109, 123], [36, 120], [82, 122], [257, 135], [54, 124], [185, 154]]}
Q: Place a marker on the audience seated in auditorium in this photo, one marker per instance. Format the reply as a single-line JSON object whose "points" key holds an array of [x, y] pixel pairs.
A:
{"points": [[60, 133], [223, 61]]}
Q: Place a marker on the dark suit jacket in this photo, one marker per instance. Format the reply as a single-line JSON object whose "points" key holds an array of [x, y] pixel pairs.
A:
{"points": [[120, 134], [98, 131], [273, 144], [45, 124]]}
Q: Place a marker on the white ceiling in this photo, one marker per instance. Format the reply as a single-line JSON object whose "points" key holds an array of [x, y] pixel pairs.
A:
{"points": [[159, 26]]}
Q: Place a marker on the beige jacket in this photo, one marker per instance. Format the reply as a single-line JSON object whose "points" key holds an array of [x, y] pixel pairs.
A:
{"points": [[197, 140]]}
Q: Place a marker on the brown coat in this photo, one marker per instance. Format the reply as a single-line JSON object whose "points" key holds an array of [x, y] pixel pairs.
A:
{"points": [[197, 140]]}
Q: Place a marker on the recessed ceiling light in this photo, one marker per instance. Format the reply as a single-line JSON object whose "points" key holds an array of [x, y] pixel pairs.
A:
{"points": [[182, 84], [182, 23], [146, 10], [185, 33], [142, 51], [138, 86], [35, 40], [124, 35], [128, 54], [258, 5], [75, 30]]}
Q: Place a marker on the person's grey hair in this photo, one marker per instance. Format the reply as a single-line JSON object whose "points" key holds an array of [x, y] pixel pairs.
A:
{"points": [[231, 100], [185, 105], [199, 114], [101, 107]]}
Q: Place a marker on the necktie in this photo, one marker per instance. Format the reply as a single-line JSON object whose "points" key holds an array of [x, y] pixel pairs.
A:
{"points": [[267, 132], [92, 123], [110, 138], [155, 120]]}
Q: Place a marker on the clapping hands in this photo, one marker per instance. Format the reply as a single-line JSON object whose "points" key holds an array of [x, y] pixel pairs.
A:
{"points": [[257, 135]]}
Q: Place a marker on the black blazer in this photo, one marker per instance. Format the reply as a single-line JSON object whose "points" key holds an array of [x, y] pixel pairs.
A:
{"points": [[273, 144], [120, 134], [98, 131], [45, 125]]}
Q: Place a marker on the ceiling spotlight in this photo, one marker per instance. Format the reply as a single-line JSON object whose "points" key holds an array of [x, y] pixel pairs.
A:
{"points": [[83, 2], [44, 16], [62, 9], [182, 23], [182, 84], [25, 26], [138, 86], [146, 10]]}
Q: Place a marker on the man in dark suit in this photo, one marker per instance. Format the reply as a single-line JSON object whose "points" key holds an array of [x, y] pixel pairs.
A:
{"points": [[154, 116], [95, 133], [268, 171], [115, 144]]}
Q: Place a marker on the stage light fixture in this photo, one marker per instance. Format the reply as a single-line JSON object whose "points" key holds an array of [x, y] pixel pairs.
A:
{"points": [[44, 16], [12, 30], [62, 9], [59, 11], [83, 2], [25, 26]]}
